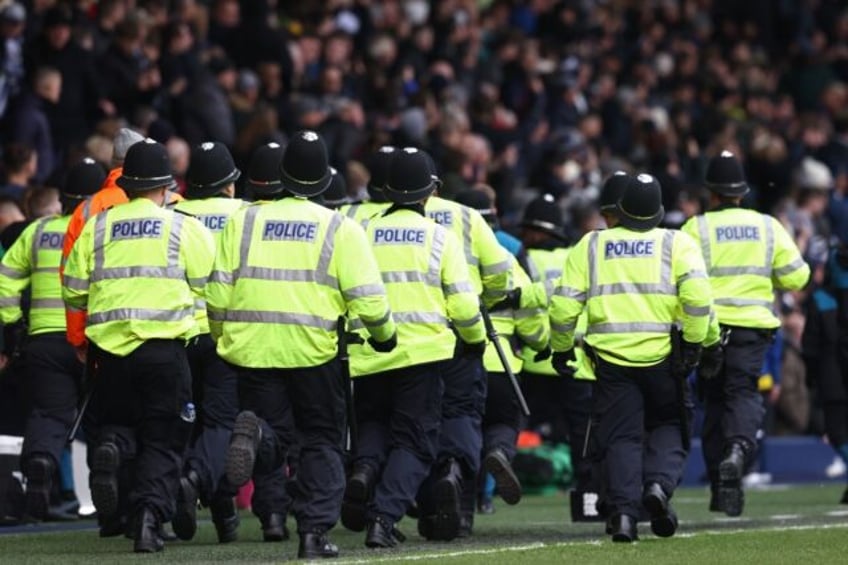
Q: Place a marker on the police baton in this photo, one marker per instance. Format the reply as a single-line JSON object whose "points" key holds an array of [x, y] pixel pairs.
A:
{"points": [[344, 359], [681, 383], [492, 334], [87, 380]]}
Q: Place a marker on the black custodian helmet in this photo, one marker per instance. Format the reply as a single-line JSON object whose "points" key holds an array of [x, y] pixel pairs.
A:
{"points": [[725, 175], [410, 177], [305, 170], [211, 169], [640, 206], [146, 167]]}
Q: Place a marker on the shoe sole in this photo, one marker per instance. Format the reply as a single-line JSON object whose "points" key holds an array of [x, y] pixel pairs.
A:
{"points": [[354, 506], [39, 484], [732, 500], [241, 453], [508, 485], [447, 521], [185, 517], [274, 536], [622, 538], [728, 472], [104, 480]]}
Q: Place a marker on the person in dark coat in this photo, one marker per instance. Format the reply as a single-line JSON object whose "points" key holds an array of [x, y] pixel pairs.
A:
{"points": [[27, 121]]}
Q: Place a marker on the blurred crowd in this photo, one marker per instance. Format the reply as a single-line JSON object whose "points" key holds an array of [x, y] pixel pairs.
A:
{"points": [[524, 96]]}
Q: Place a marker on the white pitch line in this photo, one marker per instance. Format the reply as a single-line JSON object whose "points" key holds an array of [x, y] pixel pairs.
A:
{"points": [[542, 545], [731, 520], [785, 516], [837, 513]]}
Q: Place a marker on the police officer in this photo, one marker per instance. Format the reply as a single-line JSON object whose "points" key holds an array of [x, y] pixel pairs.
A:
{"points": [[53, 369], [448, 498], [209, 198], [399, 394], [336, 194], [136, 269], [377, 202], [747, 255], [633, 280], [284, 273], [263, 172]]}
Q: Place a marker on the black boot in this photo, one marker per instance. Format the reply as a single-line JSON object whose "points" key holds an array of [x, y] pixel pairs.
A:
{"points": [[66, 510], [244, 443], [360, 487], [715, 499], [509, 487], [382, 533], [185, 516], [425, 526], [147, 538], [730, 471], [225, 518], [39, 472], [663, 518], [622, 528], [104, 478], [274, 528], [167, 534], [316, 545], [447, 491]]}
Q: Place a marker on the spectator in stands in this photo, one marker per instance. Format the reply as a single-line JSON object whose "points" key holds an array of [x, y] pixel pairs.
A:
{"points": [[28, 122], [12, 20], [20, 164]]}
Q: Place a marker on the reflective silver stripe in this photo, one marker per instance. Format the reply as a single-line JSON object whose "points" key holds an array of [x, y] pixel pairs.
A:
{"points": [[265, 317], [197, 281], [377, 323], [405, 277], [636, 288], [535, 337], [532, 270], [146, 314], [74, 283], [570, 292], [497, 268], [174, 240], [466, 237], [593, 268], [696, 310], [704, 234], [351, 211], [419, 318], [469, 322], [743, 302], [246, 236], [769, 243], [46, 270], [11, 273], [456, 288], [10, 301], [522, 313], [199, 304], [47, 303], [39, 229], [691, 275], [551, 274], [665, 265], [363, 291], [322, 272], [86, 210], [740, 270], [629, 327], [275, 274], [223, 277], [798, 263], [112, 273], [434, 264], [99, 241], [562, 328]]}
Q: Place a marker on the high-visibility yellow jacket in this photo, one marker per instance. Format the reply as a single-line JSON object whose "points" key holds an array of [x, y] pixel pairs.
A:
{"points": [[285, 271], [135, 268], [428, 285], [531, 325], [363, 212], [634, 286], [213, 213], [747, 255], [34, 260], [489, 264]]}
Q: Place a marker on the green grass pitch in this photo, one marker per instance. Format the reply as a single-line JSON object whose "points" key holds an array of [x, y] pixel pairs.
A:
{"points": [[780, 525]]}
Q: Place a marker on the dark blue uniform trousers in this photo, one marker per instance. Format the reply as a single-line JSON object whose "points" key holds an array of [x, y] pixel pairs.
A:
{"points": [[502, 418], [638, 432], [463, 404], [733, 406], [140, 399], [53, 380], [215, 388], [313, 399], [398, 414]]}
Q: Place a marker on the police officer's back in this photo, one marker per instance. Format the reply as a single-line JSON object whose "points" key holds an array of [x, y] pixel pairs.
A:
{"points": [[377, 203], [136, 269], [747, 255], [635, 280]]}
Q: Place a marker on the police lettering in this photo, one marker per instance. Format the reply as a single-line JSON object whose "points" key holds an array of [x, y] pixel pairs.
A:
{"points": [[213, 222], [289, 231], [637, 248], [442, 217], [50, 241], [383, 236], [726, 234], [137, 229]]}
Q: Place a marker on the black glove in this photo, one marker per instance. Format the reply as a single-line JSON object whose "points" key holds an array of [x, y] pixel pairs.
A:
{"points": [[13, 337], [712, 362], [471, 350], [690, 355], [560, 361], [543, 354], [384, 346], [512, 301]]}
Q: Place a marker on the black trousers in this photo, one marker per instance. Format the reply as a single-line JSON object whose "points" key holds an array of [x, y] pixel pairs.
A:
{"points": [[463, 404], [141, 398], [639, 432], [564, 406], [502, 418], [215, 391], [53, 380], [313, 399], [398, 415], [733, 407]]}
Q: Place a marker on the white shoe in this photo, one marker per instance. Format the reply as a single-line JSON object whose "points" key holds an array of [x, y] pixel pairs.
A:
{"points": [[835, 469]]}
